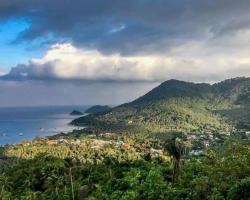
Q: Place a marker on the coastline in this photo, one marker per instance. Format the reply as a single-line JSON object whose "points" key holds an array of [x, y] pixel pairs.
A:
{"points": [[26, 124]]}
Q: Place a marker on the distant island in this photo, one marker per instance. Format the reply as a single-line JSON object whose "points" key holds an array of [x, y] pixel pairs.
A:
{"points": [[76, 112], [98, 109]]}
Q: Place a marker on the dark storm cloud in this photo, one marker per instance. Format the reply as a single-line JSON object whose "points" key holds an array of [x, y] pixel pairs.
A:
{"points": [[148, 25], [147, 41], [23, 72]]}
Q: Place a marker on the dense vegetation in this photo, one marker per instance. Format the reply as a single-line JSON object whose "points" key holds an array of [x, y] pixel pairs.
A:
{"points": [[132, 167], [181, 106], [98, 109]]}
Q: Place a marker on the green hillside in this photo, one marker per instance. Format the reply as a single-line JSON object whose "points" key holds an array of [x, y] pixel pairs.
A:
{"points": [[181, 106], [98, 109]]}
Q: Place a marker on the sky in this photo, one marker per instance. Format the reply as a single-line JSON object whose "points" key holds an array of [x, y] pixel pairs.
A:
{"points": [[64, 52]]}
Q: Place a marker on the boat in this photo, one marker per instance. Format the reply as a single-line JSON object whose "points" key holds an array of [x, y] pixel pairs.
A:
{"points": [[20, 134]]}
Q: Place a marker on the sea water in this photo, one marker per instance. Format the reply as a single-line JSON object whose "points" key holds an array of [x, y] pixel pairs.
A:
{"points": [[26, 123]]}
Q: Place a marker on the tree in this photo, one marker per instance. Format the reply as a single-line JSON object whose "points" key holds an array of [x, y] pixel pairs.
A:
{"points": [[177, 147], [241, 190], [5, 184]]}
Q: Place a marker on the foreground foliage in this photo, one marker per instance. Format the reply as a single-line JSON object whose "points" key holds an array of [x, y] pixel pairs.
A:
{"points": [[122, 167]]}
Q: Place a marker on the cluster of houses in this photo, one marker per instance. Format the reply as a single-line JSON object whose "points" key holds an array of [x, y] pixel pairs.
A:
{"points": [[202, 141], [199, 141]]}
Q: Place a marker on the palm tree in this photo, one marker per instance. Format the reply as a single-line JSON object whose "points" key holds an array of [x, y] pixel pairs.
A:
{"points": [[109, 161], [55, 181], [5, 184], [71, 183], [177, 147]]}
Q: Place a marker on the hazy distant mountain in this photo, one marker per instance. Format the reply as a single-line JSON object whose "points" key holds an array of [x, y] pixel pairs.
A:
{"points": [[182, 106], [76, 112], [98, 109]]}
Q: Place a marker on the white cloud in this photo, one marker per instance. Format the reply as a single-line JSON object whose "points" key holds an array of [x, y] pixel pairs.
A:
{"points": [[2, 72], [192, 61], [116, 29]]}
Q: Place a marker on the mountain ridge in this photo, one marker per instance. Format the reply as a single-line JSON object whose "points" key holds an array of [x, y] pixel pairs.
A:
{"points": [[181, 106]]}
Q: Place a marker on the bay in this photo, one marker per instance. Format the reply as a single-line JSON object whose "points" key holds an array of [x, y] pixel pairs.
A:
{"points": [[26, 123]]}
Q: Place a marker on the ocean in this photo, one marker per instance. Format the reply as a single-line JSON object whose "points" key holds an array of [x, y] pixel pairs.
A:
{"points": [[26, 123]]}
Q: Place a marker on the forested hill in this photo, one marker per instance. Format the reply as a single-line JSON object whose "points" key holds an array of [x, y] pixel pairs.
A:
{"points": [[182, 106], [173, 89], [236, 91]]}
